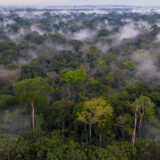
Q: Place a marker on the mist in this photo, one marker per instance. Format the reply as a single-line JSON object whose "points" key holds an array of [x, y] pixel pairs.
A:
{"points": [[146, 66]]}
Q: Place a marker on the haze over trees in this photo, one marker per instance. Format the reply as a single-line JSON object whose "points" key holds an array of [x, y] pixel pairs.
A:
{"points": [[80, 83]]}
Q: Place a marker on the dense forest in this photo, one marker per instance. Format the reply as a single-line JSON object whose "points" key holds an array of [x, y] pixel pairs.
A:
{"points": [[79, 84]]}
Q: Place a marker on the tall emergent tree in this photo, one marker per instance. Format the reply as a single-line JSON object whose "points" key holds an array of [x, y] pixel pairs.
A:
{"points": [[33, 93], [95, 111], [141, 105]]}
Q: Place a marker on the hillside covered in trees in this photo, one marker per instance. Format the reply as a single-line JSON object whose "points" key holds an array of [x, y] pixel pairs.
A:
{"points": [[79, 83]]}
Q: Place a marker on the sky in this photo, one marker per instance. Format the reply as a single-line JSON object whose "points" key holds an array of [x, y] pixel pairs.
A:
{"points": [[80, 2]]}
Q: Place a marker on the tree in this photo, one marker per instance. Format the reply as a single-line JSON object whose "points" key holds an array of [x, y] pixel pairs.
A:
{"points": [[34, 37], [108, 58], [130, 65], [8, 143], [60, 113], [32, 92], [92, 56], [110, 78], [58, 38], [27, 71], [141, 105], [8, 56], [97, 110], [74, 79], [14, 28], [105, 60], [123, 122]]}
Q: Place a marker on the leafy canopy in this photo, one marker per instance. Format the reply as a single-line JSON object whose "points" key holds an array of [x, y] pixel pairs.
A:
{"points": [[75, 77], [35, 89], [95, 111]]}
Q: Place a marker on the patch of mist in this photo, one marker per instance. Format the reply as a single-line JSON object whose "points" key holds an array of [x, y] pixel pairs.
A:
{"points": [[30, 15], [84, 34], [104, 47], [157, 39], [131, 30], [15, 121], [8, 22], [143, 25], [104, 25], [57, 47], [126, 32], [146, 68], [37, 29], [10, 76], [16, 37]]}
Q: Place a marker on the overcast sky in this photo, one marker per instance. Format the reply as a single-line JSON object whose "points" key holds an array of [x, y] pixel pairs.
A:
{"points": [[80, 2]]}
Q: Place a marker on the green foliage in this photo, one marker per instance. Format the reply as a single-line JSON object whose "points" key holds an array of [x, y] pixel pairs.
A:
{"points": [[6, 101], [35, 89], [34, 37], [53, 146], [58, 38], [8, 53], [14, 28], [13, 147], [76, 77], [107, 58], [92, 56], [95, 111], [64, 79], [60, 113], [129, 65], [110, 78], [27, 72], [63, 60], [145, 103]]}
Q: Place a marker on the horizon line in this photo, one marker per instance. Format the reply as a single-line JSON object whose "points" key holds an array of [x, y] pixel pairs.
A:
{"points": [[26, 5]]}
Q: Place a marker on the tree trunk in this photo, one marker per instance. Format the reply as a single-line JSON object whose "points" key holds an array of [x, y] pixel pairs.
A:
{"points": [[84, 53], [135, 126], [86, 134], [63, 126], [90, 133], [141, 117], [33, 115], [85, 127], [123, 134], [73, 94], [100, 138], [9, 157]]}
